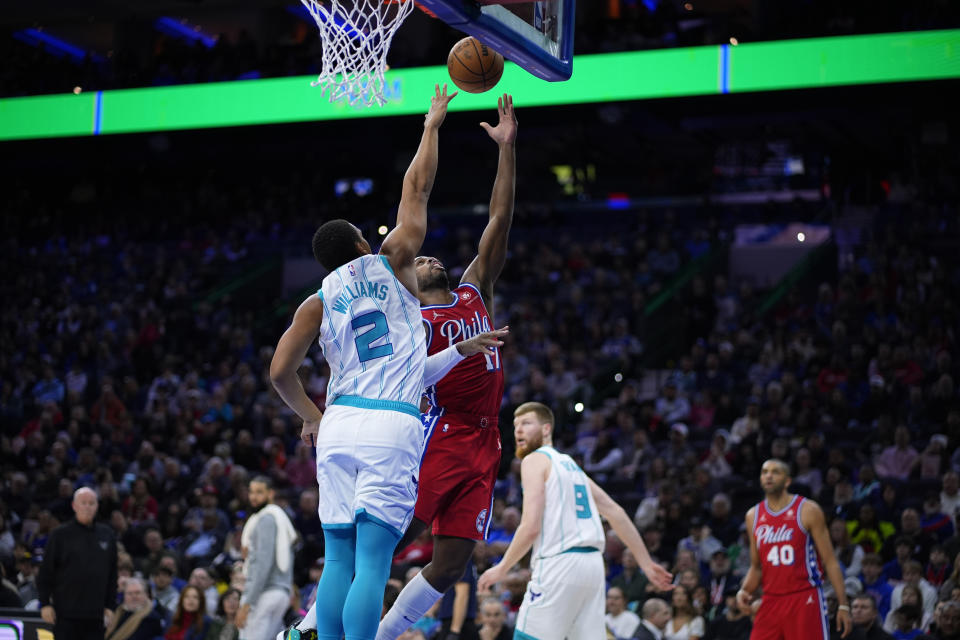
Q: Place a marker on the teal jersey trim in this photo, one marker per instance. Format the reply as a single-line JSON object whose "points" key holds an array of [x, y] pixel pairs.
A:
{"points": [[520, 635], [581, 550], [378, 405], [386, 263], [363, 514]]}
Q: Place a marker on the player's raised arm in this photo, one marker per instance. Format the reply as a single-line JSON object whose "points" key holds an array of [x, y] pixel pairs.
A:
{"points": [[492, 253], [533, 477], [404, 242], [290, 352], [751, 581], [814, 522], [628, 534]]}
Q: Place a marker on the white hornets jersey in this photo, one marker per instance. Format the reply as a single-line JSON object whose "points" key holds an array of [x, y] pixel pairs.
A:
{"points": [[571, 521], [372, 338]]}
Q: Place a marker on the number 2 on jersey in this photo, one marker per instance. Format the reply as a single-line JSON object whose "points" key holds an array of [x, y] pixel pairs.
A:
{"points": [[780, 555], [581, 500], [378, 323]]}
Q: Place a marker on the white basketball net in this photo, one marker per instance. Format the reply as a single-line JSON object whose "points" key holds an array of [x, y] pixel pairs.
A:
{"points": [[356, 36]]}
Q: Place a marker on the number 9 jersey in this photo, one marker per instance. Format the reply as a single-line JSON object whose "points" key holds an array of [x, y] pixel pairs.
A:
{"points": [[372, 338]]}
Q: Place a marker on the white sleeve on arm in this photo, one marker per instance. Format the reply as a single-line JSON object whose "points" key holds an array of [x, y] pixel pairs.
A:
{"points": [[439, 364]]}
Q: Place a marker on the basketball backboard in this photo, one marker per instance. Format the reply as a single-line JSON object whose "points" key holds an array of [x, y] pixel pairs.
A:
{"points": [[537, 35]]}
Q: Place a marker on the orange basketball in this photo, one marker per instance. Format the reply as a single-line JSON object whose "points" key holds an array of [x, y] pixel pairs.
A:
{"points": [[473, 66]]}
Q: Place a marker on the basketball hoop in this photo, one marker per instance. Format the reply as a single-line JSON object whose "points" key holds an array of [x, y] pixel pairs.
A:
{"points": [[355, 36]]}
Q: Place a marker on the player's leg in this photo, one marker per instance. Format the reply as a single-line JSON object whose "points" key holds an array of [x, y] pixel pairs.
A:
{"points": [[809, 617], [589, 624], [417, 526], [450, 557], [361, 611], [339, 565], [770, 619], [548, 609]]}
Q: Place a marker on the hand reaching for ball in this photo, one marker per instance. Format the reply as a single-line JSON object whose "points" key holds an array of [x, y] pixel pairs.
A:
{"points": [[506, 130], [438, 107]]}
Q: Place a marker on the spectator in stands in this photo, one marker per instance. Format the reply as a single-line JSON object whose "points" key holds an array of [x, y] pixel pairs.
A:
{"points": [[952, 582], [9, 596], [671, 407], [935, 522], [913, 578], [190, 620], [867, 487], [655, 616], [938, 569], [721, 577], [948, 623], [874, 583], [863, 611], [911, 527], [849, 555], [603, 458], [202, 579], [224, 625], [136, 618], [163, 590], [493, 621], [676, 452], [898, 460], [632, 582], [805, 473], [620, 621], [867, 531], [950, 496], [26, 578], [732, 623], [685, 621]]}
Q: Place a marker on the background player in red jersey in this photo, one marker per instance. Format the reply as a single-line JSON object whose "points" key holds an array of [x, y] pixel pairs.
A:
{"points": [[462, 456], [789, 546]]}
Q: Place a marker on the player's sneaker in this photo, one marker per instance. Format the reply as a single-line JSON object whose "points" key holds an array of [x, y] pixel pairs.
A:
{"points": [[292, 633]]}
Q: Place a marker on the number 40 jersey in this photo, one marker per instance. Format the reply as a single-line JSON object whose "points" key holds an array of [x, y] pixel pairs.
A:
{"points": [[787, 554], [372, 337]]}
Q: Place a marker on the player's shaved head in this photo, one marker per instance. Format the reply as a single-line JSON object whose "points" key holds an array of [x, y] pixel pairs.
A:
{"points": [[784, 467]]}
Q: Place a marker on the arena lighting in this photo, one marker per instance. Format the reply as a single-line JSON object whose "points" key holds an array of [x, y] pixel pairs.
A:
{"points": [[382, 229], [54, 45], [759, 66], [578, 407]]}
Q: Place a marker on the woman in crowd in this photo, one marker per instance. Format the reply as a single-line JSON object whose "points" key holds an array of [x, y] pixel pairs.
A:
{"points": [[686, 622], [224, 626], [190, 621]]}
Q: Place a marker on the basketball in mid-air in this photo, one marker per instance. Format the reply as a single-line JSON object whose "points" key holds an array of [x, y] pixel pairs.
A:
{"points": [[473, 66]]}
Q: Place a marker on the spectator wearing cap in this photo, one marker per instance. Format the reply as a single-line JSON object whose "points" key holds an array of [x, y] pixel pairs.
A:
{"points": [[898, 460], [670, 406], [863, 611], [721, 576], [935, 522], [26, 578], [78, 578]]}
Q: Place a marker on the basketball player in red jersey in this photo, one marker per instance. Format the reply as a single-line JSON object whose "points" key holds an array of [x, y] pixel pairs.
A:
{"points": [[462, 455], [789, 547]]}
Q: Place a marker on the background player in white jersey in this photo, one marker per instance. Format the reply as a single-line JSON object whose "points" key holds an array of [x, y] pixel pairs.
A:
{"points": [[370, 439], [561, 521]]}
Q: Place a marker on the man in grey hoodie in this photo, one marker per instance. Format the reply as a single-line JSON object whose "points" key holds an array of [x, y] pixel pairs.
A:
{"points": [[267, 543]]}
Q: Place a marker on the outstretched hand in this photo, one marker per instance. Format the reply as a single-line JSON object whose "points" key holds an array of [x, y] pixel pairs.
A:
{"points": [[658, 576], [484, 343], [438, 106], [506, 131]]}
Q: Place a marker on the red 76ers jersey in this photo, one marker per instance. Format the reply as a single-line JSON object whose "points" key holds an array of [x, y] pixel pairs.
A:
{"points": [[475, 386], [788, 557]]}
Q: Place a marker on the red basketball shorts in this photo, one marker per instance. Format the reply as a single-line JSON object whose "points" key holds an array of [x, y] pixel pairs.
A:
{"points": [[457, 476], [794, 616]]}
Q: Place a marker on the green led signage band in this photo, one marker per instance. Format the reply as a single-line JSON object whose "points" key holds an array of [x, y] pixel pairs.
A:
{"points": [[763, 66]]}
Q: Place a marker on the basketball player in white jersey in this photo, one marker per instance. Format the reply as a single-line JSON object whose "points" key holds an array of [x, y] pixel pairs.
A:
{"points": [[370, 439], [561, 521]]}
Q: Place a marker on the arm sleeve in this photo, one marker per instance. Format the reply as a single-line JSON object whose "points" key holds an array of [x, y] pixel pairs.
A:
{"points": [[46, 575], [261, 558], [439, 364]]}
